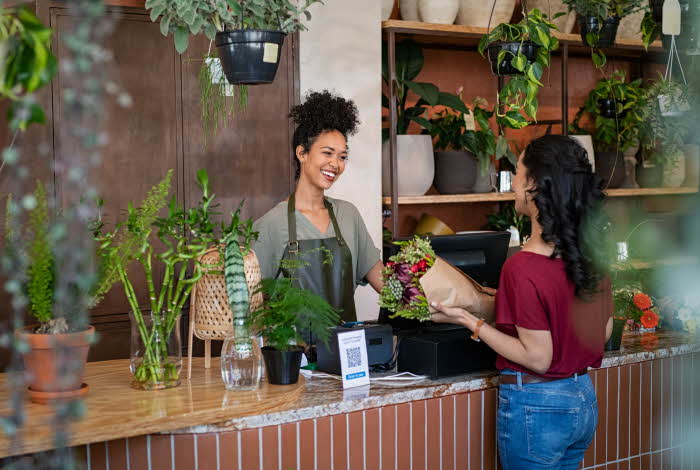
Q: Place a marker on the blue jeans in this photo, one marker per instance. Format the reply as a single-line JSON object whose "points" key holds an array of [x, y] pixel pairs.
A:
{"points": [[545, 425]]}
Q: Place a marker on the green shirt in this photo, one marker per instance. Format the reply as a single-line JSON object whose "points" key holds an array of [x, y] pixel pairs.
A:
{"points": [[274, 236]]}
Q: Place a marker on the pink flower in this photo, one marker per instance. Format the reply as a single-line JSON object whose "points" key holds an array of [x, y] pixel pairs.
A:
{"points": [[403, 273], [410, 293]]}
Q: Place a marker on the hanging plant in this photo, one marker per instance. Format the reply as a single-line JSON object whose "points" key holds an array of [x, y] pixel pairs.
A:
{"points": [[219, 99], [522, 50]]}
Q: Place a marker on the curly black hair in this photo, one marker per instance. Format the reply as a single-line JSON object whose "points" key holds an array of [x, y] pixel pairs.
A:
{"points": [[321, 111], [569, 198]]}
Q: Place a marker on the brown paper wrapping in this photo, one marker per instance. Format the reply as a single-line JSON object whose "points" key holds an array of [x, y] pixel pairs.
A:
{"points": [[445, 284]]}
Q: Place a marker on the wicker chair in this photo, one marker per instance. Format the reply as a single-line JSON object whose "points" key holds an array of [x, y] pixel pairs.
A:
{"points": [[210, 315]]}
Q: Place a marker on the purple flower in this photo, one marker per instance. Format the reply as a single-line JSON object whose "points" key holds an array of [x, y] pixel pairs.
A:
{"points": [[403, 273], [410, 293]]}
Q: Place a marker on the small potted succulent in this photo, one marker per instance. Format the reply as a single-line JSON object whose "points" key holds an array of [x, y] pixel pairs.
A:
{"points": [[57, 346], [616, 109], [523, 51], [288, 316]]}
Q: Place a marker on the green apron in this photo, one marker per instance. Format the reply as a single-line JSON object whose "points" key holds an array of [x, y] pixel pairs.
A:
{"points": [[326, 267]]}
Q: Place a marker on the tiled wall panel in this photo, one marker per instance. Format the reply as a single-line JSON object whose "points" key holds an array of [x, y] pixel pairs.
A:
{"points": [[647, 412]]}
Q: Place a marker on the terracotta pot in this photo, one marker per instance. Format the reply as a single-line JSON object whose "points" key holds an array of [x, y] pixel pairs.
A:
{"points": [[409, 10], [47, 353], [477, 12], [416, 165], [438, 11]]}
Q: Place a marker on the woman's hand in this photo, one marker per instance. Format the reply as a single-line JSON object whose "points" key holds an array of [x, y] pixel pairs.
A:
{"points": [[455, 315]]}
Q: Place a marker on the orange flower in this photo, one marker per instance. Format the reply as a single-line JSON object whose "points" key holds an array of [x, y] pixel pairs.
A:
{"points": [[642, 301], [649, 341], [649, 319]]}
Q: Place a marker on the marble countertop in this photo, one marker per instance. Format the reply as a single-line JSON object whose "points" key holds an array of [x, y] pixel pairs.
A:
{"points": [[114, 410]]}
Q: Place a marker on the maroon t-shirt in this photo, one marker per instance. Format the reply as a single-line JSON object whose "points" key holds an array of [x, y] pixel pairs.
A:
{"points": [[534, 292]]}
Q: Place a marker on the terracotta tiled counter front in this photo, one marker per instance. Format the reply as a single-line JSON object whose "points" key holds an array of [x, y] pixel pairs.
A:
{"points": [[648, 396]]}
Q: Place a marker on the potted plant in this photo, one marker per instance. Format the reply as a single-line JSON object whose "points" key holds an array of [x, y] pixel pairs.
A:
{"points": [[506, 218], [58, 345], [285, 313], [249, 34], [414, 152], [616, 109], [523, 51], [653, 18], [663, 133], [183, 235], [598, 20]]}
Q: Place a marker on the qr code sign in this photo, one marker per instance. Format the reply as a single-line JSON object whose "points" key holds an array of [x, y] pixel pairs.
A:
{"points": [[354, 357]]}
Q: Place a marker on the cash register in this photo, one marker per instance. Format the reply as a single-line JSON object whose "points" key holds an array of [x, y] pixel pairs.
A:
{"points": [[440, 349]]}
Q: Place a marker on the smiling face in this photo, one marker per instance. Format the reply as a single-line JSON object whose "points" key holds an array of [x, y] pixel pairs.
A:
{"points": [[324, 162], [524, 204]]}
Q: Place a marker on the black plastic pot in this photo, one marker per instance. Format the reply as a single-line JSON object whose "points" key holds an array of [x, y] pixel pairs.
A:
{"points": [[527, 48], [455, 172], [608, 109], [615, 340], [610, 167], [250, 57], [606, 31], [282, 366]]}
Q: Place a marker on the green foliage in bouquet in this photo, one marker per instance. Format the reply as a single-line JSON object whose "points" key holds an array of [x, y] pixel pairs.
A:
{"points": [[402, 293], [288, 310]]}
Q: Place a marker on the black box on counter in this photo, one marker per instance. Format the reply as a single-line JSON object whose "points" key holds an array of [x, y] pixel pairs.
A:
{"points": [[380, 346]]}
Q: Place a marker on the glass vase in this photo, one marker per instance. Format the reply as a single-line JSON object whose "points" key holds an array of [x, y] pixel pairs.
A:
{"points": [[241, 360], [156, 355]]}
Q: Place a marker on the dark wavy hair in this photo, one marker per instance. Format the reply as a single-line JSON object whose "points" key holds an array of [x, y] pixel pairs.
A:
{"points": [[319, 112], [569, 198]]}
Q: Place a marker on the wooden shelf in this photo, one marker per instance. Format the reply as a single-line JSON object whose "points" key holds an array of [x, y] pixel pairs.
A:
{"points": [[660, 263], [499, 197], [460, 36]]}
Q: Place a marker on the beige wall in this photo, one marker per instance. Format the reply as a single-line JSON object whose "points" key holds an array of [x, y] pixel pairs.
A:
{"points": [[341, 52]]}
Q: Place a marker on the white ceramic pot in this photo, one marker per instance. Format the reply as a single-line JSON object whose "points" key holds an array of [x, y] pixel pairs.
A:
{"points": [[629, 26], [565, 23], [477, 12], [587, 143], [416, 165], [673, 173], [387, 7], [692, 166], [438, 11], [409, 10]]}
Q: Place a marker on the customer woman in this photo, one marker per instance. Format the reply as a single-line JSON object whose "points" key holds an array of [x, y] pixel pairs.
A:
{"points": [[323, 241], [545, 340]]}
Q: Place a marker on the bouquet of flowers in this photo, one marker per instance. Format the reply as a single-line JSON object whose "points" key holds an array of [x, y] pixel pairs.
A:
{"points": [[636, 307], [415, 277], [402, 293], [682, 313]]}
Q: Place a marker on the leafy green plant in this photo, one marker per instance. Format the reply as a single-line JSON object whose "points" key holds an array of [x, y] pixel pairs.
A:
{"points": [[650, 29], [288, 310], [185, 18], [451, 133], [409, 63], [662, 136], [617, 133], [218, 99], [26, 64], [519, 95], [507, 217]]}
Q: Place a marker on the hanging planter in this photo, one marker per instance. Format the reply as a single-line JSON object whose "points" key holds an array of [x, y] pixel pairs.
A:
{"points": [[596, 33], [250, 57], [609, 108], [505, 66], [672, 106]]}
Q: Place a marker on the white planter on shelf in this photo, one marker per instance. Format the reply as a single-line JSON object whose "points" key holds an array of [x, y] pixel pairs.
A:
{"points": [[409, 10], [673, 173], [438, 11], [629, 26], [587, 142], [416, 165], [387, 7], [565, 23], [477, 12]]}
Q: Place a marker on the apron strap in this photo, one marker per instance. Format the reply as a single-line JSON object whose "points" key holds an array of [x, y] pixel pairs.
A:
{"points": [[336, 229], [292, 227]]}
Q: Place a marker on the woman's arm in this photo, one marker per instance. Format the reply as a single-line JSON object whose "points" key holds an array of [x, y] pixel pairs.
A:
{"points": [[374, 276], [532, 348]]}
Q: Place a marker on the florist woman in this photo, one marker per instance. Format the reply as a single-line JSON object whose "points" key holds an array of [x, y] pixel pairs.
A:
{"points": [[320, 241], [548, 331]]}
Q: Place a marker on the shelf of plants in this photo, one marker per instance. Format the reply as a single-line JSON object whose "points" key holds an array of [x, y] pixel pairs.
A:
{"points": [[500, 197], [457, 35]]}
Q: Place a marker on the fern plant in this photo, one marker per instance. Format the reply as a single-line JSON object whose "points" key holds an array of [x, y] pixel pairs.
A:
{"points": [[40, 276]]}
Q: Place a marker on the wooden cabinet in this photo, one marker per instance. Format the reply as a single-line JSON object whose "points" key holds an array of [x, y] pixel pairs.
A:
{"points": [[161, 130]]}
